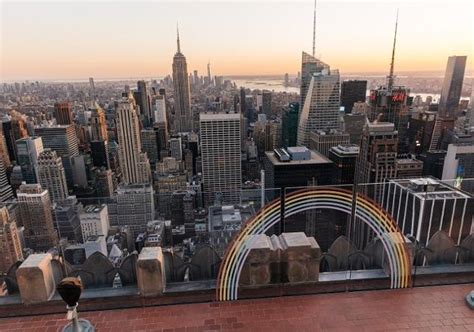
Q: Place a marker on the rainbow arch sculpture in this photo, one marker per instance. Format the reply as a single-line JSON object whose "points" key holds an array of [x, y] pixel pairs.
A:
{"points": [[366, 210]]}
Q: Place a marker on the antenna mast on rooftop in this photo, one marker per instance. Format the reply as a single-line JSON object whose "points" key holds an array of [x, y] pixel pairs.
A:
{"points": [[391, 77]]}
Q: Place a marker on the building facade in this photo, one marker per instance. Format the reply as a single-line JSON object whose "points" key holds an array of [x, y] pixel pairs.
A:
{"points": [[323, 140], [63, 113], [221, 158], [321, 107], [98, 123], [51, 175], [134, 164], [36, 216], [10, 245], [6, 192], [94, 221], [289, 125], [452, 87], [352, 91], [132, 206], [424, 206], [183, 121], [344, 157], [28, 151]]}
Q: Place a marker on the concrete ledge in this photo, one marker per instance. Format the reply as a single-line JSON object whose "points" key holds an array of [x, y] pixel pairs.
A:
{"points": [[35, 279], [94, 299], [150, 272]]}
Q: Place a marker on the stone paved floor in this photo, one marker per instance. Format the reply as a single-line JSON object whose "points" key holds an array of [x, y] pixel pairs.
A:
{"points": [[439, 308]]}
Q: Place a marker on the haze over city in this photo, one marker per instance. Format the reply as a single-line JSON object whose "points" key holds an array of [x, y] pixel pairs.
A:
{"points": [[75, 40]]}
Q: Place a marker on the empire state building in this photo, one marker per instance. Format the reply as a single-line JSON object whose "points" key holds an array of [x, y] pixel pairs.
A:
{"points": [[183, 116]]}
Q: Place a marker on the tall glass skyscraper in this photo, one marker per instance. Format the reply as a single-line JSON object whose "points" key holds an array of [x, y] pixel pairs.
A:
{"points": [[452, 86], [309, 65], [321, 106]]}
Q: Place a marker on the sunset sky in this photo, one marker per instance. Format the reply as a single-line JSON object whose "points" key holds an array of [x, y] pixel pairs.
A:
{"points": [[125, 39]]}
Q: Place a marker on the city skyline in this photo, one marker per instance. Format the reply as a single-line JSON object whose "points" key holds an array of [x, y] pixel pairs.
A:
{"points": [[89, 41]]}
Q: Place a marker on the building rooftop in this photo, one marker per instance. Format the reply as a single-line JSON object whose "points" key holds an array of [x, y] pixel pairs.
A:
{"points": [[409, 161], [94, 208], [440, 308], [381, 126], [316, 158], [427, 188], [219, 116], [346, 149]]}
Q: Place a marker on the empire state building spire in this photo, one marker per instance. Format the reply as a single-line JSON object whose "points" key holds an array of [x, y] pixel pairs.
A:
{"points": [[177, 40], [183, 121]]}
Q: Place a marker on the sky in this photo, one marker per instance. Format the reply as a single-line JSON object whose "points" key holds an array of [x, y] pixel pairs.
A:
{"points": [[125, 39]]}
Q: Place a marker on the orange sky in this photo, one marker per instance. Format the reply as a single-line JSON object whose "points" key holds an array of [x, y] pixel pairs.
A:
{"points": [[54, 40]]}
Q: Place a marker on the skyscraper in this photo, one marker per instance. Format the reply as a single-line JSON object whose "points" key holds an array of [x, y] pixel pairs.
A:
{"points": [[309, 65], [344, 157], [389, 103], [104, 182], [459, 163], [6, 192], [28, 150], [452, 86], [150, 145], [14, 128], [63, 140], [4, 150], [142, 98], [289, 125], [378, 155], [161, 125], [267, 103], [91, 85], [134, 164], [36, 217], [376, 164], [132, 206], [60, 138], [220, 153], [63, 113], [95, 221], [10, 245], [321, 106], [52, 176], [98, 123], [351, 92], [183, 121], [323, 140], [243, 103], [209, 77], [66, 220], [176, 149], [100, 154]]}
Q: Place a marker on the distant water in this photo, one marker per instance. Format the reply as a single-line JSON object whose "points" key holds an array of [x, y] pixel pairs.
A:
{"points": [[277, 86], [265, 84]]}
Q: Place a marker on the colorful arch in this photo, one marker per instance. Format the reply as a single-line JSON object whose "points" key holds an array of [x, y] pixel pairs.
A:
{"points": [[367, 210]]}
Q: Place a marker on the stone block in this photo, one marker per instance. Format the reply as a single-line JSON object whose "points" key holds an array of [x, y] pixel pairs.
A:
{"points": [[36, 279], [301, 256], [150, 272], [257, 266]]}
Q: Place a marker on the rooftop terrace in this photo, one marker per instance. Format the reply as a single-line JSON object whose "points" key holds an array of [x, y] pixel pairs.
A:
{"points": [[440, 308]]}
